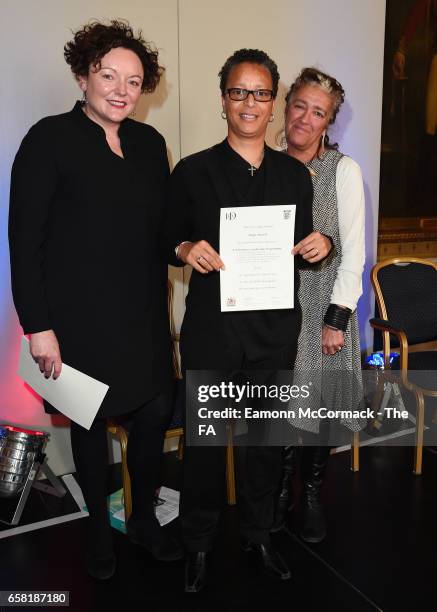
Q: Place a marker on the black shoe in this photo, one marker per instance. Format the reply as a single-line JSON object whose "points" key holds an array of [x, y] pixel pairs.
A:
{"points": [[195, 572], [151, 536], [101, 568], [269, 559], [312, 519]]}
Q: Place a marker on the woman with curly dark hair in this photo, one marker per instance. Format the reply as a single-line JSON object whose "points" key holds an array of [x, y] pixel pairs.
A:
{"points": [[89, 283]]}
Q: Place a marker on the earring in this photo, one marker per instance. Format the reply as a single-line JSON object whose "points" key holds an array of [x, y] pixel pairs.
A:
{"points": [[83, 97], [322, 143], [223, 115], [272, 118]]}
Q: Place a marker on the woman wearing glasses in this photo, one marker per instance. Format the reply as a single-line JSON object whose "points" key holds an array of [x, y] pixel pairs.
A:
{"points": [[239, 171]]}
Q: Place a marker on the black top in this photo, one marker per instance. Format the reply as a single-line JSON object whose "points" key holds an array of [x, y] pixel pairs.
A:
{"points": [[86, 257], [199, 186], [247, 185]]}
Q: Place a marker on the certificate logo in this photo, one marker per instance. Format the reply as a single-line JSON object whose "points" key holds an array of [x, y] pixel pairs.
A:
{"points": [[287, 213], [230, 216], [231, 301]]}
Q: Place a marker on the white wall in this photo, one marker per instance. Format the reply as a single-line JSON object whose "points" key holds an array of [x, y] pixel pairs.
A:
{"points": [[342, 37]]}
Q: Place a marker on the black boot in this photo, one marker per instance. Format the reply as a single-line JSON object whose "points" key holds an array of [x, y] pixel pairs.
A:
{"points": [[285, 499], [313, 522]]}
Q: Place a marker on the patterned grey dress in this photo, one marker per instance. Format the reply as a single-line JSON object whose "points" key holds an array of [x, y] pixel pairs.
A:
{"points": [[341, 383]]}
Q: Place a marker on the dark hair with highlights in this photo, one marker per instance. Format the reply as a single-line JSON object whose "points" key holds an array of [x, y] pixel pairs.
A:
{"points": [[312, 76], [96, 39], [252, 56]]}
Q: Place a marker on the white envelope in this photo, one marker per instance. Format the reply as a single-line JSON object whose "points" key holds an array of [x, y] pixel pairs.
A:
{"points": [[74, 393]]}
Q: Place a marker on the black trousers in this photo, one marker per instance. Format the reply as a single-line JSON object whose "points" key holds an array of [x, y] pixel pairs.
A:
{"points": [[258, 474], [147, 427]]}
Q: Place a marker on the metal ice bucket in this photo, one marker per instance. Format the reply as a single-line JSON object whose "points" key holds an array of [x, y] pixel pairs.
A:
{"points": [[18, 450]]}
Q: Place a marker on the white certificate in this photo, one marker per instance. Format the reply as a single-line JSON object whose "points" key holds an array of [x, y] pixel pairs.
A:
{"points": [[255, 246], [74, 393]]}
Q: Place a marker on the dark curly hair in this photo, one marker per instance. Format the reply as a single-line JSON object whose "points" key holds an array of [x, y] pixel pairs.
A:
{"points": [[252, 56], [96, 39]]}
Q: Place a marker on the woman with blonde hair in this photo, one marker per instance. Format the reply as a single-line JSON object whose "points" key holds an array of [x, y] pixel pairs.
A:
{"points": [[329, 340]]}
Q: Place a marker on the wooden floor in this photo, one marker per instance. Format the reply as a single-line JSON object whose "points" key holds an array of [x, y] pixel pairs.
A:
{"points": [[380, 553]]}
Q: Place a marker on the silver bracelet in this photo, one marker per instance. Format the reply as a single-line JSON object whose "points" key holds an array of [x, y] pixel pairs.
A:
{"points": [[179, 246], [331, 327]]}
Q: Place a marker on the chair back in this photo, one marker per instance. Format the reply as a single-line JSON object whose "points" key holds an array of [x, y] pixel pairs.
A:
{"points": [[406, 294]]}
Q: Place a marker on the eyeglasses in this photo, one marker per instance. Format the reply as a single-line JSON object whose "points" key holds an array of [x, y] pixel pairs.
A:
{"points": [[260, 95]]}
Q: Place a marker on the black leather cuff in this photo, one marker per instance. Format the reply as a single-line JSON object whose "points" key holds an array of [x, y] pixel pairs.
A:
{"points": [[337, 317]]}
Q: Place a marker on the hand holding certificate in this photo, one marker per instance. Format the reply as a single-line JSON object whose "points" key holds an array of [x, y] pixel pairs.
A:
{"points": [[255, 244]]}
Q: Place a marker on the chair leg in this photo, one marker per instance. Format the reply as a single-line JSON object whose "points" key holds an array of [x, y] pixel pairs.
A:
{"points": [[230, 471], [355, 452], [180, 451], [127, 494], [420, 421]]}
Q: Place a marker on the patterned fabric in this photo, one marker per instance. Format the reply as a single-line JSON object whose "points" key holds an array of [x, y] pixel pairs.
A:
{"points": [[410, 297], [339, 375]]}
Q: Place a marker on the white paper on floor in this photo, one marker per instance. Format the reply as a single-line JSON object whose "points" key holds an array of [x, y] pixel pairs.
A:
{"points": [[167, 508]]}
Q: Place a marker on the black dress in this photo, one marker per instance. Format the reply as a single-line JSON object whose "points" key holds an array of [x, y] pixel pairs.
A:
{"points": [[86, 257], [211, 340]]}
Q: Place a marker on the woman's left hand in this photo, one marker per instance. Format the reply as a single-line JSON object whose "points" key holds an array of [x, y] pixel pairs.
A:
{"points": [[313, 248], [332, 340]]}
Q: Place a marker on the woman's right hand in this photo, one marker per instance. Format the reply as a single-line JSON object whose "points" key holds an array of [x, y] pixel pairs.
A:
{"points": [[201, 256], [44, 349], [332, 340]]}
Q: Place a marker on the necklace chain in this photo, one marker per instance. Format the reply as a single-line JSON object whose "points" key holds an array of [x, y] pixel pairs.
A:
{"points": [[252, 168]]}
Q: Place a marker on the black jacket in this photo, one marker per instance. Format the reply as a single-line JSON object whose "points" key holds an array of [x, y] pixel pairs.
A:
{"points": [[86, 258], [199, 187]]}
